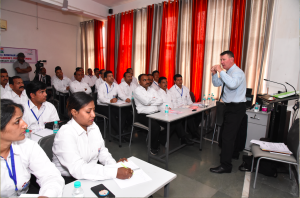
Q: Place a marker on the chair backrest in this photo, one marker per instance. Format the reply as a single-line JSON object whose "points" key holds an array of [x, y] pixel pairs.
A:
{"points": [[293, 139], [54, 91], [134, 112], [95, 95], [192, 96], [220, 113], [46, 143]]}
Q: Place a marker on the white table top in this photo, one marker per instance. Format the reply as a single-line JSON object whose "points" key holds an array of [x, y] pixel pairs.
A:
{"points": [[172, 117], [120, 105], [160, 178], [43, 132], [35, 138]]}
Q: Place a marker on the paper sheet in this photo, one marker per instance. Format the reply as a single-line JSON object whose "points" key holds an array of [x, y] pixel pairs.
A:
{"points": [[138, 177], [29, 195], [129, 164], [175, 112], [121, 102], [271, 146]]}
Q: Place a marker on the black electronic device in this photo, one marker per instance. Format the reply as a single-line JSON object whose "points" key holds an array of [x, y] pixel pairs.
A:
{"points": [[249, 101], [97, 189], [194, 110], [110, 11], [248, 91], [38, 66]]}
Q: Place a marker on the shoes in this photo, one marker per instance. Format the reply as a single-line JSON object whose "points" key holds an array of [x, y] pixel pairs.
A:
{"points": [[220, 170], [154, 151], [186, 140]]}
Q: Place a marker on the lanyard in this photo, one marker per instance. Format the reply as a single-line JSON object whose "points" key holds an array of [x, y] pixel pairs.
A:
{"points": [[107, 88], [37, 118], [155, 83], [12, 174], [181, 91]]}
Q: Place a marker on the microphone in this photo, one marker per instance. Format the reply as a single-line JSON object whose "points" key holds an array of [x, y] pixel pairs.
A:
{"points": [[293, 88], [276, 83]]}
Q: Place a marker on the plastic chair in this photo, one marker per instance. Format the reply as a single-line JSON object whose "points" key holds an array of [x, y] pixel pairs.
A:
{"points": [[219, 120], [292, 144], [95, 95], [46, 143]]}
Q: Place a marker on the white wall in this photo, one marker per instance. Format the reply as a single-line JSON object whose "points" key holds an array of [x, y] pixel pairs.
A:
{"points": [[55, 34], [134, 5]]}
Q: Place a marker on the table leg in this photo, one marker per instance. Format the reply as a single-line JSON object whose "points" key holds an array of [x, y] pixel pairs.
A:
{"points": [[200, 148], [109, 124], [166, 190], [59, 101], [120, 129], [149, 139], [168, 141], [272, 138]]}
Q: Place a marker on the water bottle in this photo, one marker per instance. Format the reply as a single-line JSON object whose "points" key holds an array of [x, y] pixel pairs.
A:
{"points": [[203, 100], [55, 127], [77, 192], [167, 110], [208, 99], [212, 96], [27, 134], [213, 102], [132, 96]]}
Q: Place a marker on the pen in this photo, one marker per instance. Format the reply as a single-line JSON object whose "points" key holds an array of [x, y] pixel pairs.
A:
{"points": [[126, 167]]}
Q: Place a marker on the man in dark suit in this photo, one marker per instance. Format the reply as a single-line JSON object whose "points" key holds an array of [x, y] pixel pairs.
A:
{"points": [[43, 77]]}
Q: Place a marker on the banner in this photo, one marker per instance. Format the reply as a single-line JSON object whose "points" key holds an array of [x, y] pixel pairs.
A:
{"points": [[9, 54]]}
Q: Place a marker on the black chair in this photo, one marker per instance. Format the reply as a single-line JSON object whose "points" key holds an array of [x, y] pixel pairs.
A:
{"points": [[95, 95], [46, 143], [219, 120], [192, 96]]}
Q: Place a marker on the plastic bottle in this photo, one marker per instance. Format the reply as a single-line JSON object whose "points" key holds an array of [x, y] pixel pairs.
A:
{"points": [[27, 134], [208, 99], [77, 192], [256, 107], [55, 127], [132, 96], [167, 110], [212, 96], [203, 100]]}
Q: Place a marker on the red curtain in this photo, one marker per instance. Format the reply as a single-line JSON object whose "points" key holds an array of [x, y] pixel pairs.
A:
{"points": [[110, 52], [125, 44], [167, 53], [237, 30], [149, 36], [98, 44], [198, 46]]}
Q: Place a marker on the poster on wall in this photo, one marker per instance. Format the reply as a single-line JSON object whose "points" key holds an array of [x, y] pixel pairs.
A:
{"points": [[9, 54]]}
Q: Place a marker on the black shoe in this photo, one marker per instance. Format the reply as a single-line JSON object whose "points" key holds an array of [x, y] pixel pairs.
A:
{"points": [[186, 140], [220, 170], [154, 151]]}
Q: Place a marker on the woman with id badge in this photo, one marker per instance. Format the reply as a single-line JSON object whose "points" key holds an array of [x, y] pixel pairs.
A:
{"points": [[21, 157]]}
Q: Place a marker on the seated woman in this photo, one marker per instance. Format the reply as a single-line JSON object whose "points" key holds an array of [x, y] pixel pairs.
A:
{"points": [[22, 157], [79, 145]]}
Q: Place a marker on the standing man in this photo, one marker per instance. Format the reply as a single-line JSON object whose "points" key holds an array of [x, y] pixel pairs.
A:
{"points": [[43, 77], [155, 85], [22, 68], [233, 83], [17, 93], [4, 82]]}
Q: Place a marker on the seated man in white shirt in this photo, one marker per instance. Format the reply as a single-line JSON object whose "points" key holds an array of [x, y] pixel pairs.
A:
{"points": [[55, 77], [94, 79], [17, 92], [90, 73], [109, 92], [147, 102], [150, 79], [37, 111], [4, 82], [79, 85], [85, 78], [182, 97], [176, 126], [155, 85], [134, 80], [100, 80]]}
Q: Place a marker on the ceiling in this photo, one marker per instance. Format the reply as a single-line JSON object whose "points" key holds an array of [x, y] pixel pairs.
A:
{"points": [[111, 3]]}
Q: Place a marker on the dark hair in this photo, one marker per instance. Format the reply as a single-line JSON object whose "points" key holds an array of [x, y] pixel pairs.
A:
{"points": [[34, 86], [176, 76], [149, 74], [127, 70], [8, 110], [89, 69], [75, 72], [78, 68], [11, 79], [3, 70], [77, 101], [102, 71], [107, 72], [57, 68], [229, 53], [21, 55], [155, 71], [96, 69], [161, 78], [140, 76], [124, 75]]}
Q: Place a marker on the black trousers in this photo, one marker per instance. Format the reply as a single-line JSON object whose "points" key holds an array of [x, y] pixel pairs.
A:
{"points": [[63, 103], [193, 124], [114, 113], [175, 127], [233, 116]]}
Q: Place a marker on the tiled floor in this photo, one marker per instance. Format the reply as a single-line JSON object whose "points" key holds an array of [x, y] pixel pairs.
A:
{"points": [[193, 176]]}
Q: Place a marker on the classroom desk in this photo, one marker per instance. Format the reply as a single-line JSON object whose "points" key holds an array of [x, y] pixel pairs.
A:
{"points": [[160, 178], [170, 118], [36, 136], [120, 106]]}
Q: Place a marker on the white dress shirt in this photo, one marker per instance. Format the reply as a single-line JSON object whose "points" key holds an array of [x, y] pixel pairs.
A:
{"points": [[98, 83], [46, 113], [77, 86], [53, 78], [146, 101], [106, 93], [61, 85], [167, 98], [127, 90], [94, 79], [181, 96], [76, 153], [5, 89], [30, 158], [155, 86], [85, 79], [134, 80], [16, 98]]}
